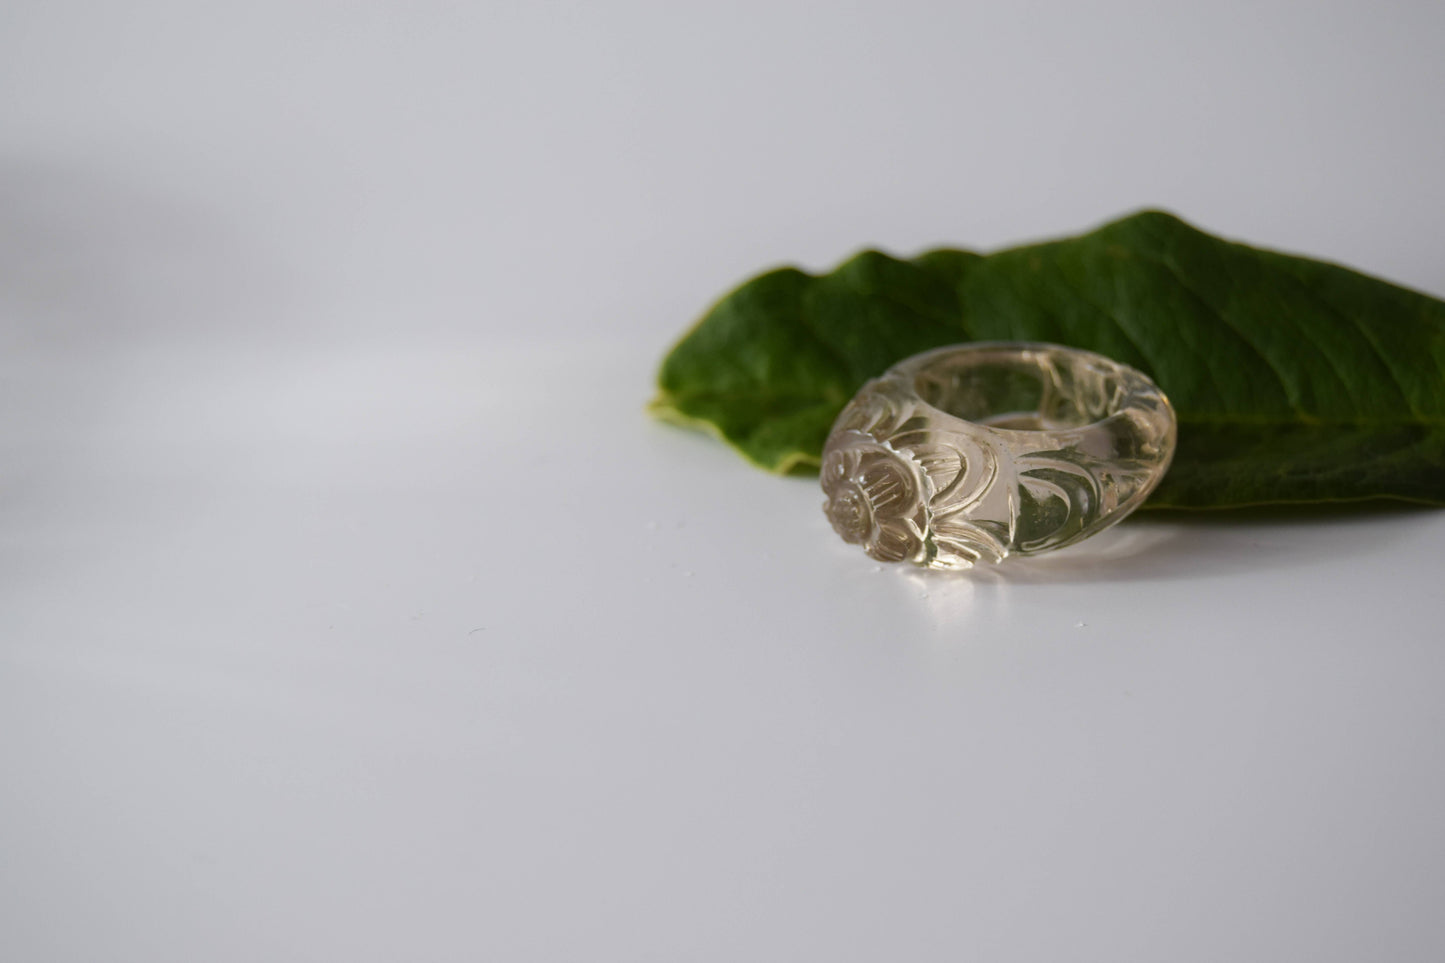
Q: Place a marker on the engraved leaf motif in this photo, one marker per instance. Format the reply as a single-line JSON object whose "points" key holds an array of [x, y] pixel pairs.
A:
{"points": [[1063, 496]]}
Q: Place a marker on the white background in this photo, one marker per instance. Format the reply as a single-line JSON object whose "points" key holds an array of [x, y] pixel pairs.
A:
{"points": [[351, 608]]}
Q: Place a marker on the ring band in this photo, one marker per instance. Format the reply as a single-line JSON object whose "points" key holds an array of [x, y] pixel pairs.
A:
{"points": [[981, 451]]}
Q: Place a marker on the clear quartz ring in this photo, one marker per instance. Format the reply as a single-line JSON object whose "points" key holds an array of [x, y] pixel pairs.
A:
{"points": [[981, 451]]}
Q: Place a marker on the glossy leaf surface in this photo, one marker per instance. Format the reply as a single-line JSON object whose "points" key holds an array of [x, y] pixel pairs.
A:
{"points": [[1294, 380]]}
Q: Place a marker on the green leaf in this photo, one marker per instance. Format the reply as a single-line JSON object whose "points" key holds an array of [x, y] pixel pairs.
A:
{"points": [[1294, 380]]}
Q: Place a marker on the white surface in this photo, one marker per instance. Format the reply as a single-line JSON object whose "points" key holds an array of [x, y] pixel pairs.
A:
{"points": [[351, 609]]}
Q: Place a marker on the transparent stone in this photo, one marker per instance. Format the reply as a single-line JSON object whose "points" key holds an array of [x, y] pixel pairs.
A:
{"points": [[986, 450]]}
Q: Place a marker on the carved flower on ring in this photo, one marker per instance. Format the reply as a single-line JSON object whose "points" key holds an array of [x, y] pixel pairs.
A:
{"points": [[874, 498]]}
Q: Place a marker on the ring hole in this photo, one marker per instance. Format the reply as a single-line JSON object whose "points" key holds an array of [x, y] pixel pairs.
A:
{"points": [[1029, 391]]}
